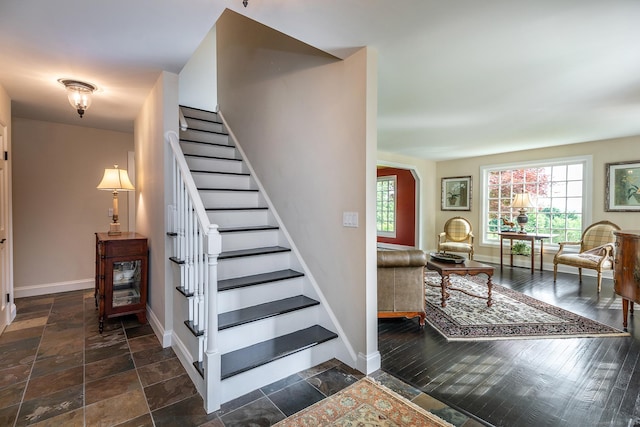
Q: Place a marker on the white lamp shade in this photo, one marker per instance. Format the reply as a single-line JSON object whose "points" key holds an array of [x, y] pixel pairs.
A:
{"points": [[115, 179], [522, 201]]}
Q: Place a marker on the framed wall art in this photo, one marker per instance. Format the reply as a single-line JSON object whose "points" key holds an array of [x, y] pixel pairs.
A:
{"points": [[622, 187], [456, 193]]}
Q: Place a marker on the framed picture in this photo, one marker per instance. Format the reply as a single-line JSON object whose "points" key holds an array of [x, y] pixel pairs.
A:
{"points": [[456, 193], [622, 187]]}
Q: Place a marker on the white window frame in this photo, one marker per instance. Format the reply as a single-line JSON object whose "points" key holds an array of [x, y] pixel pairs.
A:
{"points": [[587, 189], [387, 234]]}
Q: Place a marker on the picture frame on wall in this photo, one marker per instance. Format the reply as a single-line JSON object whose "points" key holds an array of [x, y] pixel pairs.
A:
{"points": [[622, 187], [456, 193]]}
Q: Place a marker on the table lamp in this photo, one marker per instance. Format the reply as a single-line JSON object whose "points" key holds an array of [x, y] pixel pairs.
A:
{"points": [[115, 180], [522, 202]]}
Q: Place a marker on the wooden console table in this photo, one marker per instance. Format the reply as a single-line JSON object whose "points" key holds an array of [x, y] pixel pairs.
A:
{"points": [[511, 236], [469, 267]]}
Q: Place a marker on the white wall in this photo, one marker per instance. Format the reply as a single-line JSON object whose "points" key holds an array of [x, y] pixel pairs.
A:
{"points": [[56, 207], [158, 115], [606, 151], [301, 117], [198, 85]]}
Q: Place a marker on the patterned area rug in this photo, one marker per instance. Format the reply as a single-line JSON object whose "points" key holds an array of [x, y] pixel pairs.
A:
{"points": [[364, 403], [512, 316]]}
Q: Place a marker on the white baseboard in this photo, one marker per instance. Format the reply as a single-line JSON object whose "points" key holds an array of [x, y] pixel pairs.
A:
{"points": [[163, 335], [53, 288], [368, 363]]}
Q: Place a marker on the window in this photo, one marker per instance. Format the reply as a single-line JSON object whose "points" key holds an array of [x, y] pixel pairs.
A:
{"points": [[386, 206], [558, 188]]}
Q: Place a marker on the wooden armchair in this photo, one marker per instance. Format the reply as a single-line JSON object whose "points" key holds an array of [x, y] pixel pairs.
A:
{"points": [[596, 250], [456, 237]]}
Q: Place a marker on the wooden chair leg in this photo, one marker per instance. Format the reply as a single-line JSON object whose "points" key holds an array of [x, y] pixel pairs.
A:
{"points": [[599, 280], [580, 275], [555, 272]]}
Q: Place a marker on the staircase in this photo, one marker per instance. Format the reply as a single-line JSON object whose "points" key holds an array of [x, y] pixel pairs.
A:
{"points": [[245, 312]]}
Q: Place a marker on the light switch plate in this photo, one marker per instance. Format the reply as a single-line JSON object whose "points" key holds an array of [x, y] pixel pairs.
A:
{"points": [[350, 219]]}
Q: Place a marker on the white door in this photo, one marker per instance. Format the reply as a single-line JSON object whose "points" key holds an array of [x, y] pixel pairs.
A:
{"points": [[4, 252]]}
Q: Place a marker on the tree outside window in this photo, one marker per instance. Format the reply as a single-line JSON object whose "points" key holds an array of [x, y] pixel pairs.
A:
{"points": [[386, 206], [557, 192]]}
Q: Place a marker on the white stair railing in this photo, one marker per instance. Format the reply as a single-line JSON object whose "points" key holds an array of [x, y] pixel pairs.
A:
{"points": [[197, 246]]}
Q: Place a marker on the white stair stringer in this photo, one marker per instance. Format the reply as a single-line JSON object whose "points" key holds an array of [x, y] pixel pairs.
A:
{"points": [[236, 202]]}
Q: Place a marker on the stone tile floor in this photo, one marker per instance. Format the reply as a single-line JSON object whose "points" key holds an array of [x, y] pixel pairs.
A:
{"points": [[56, 369]]}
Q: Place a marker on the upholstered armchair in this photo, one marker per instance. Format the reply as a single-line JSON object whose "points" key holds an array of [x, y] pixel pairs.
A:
{"points": [[596, 250], [456, 237], [401, 284]]}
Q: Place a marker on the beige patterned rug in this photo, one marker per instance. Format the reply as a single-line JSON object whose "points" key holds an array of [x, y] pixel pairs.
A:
{"points": [[364, 403]]}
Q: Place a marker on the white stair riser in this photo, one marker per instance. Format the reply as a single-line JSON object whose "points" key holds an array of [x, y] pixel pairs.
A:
{"points": [[235, 299], [199, 114], [230, 199], [249, 239], [261, 330], [239, 218], [247, 266], [256, 378], [205, 125], [195, 135], [232, 182], [209, 150], [217, 165]]}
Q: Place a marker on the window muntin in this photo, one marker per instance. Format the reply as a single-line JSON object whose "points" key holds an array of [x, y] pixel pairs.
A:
{"points": [[386, 206], [559, 189]]}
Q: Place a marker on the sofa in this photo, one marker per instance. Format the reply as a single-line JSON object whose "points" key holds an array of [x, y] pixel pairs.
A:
{"points": [[401, 284]]}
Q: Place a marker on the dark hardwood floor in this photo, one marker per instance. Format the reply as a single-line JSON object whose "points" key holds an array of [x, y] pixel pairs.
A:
{"points": [[529, 382]]}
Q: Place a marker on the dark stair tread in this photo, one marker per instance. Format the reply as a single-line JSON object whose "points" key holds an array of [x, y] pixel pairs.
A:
{"points": [[256, 355], [199, 367], [257, 279], [184, 291], [238, 208], [251, 190], [263, 311], [204, 130], [247, 228], [221, 173], [204, 156], [176, 260], [253, 251], [193, 141], [195, 330]]}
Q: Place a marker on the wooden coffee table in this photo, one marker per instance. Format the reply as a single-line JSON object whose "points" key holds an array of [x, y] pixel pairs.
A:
{"points": [[468, 267]]}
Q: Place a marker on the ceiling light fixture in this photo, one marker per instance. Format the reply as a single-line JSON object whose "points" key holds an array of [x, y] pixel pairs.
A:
{"points": [[79, 94]]}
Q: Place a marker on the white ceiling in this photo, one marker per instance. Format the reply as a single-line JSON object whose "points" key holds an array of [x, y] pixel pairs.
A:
{"points": [[457, 78]]}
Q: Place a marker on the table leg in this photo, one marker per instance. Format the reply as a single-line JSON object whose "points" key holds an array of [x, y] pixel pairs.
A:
{"points": [[510, 252], [444, 282], [501, 245], [533, 253], [489, 286], [541, 252]]}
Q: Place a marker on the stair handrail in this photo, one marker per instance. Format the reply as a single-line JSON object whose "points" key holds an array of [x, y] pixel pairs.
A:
{"points": [[192, 190], [210, 353]]}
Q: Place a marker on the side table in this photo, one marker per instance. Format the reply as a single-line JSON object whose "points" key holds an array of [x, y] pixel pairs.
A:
{"points": [[511, 236]]}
